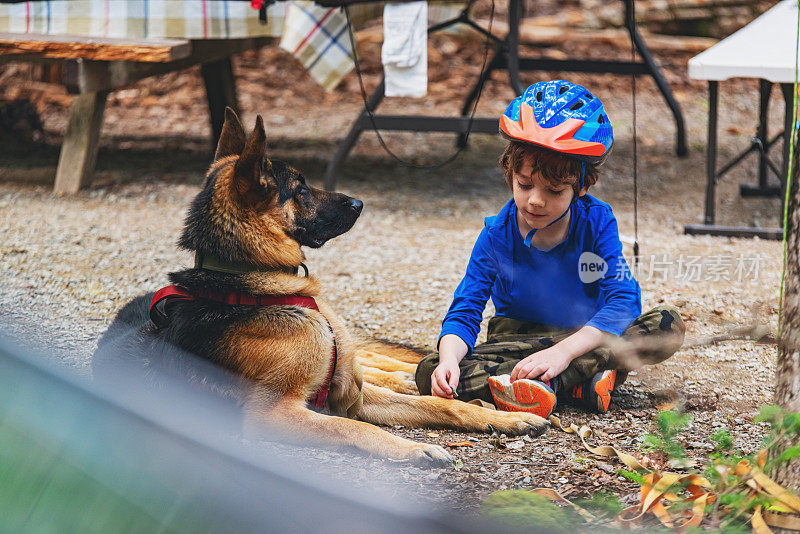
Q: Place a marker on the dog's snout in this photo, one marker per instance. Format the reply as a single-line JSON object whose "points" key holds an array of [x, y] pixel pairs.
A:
{"points": [[356, 205]]}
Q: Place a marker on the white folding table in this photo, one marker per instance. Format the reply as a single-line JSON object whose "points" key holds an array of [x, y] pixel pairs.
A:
{"points": [[764, 49]]}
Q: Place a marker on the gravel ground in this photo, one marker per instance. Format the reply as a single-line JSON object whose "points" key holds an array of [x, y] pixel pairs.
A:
{"points": [[67, 264]]}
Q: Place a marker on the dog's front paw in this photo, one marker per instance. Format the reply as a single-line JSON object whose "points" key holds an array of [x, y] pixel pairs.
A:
{"points": [[428, 455], [519, 423]]}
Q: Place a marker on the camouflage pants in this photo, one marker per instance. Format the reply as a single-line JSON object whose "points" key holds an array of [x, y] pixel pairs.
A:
{"points": [[652, 338]]}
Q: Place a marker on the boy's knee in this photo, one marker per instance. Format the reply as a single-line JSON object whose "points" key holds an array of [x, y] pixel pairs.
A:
{"points": [[662, 318], [671, 327], [671, 319], [424, 371]]}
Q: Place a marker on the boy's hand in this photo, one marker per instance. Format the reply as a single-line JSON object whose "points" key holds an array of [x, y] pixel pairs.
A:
{"points": [[542, 365], [445, 379]]}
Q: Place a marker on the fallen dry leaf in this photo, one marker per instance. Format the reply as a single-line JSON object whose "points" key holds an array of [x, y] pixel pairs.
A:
{"points": [[459, 444]]}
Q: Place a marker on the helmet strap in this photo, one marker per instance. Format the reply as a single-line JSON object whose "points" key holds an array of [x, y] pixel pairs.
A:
{"points": [[529, 235]]}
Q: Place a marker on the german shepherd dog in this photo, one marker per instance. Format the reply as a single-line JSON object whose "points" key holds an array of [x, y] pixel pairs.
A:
{"points": [[247, 227]]}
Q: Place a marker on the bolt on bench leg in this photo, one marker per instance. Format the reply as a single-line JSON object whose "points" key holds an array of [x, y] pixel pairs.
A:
{"points": [[79, 151]]}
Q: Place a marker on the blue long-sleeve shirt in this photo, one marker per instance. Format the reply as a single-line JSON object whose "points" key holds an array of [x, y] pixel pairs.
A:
{"points": [[584, 280]]}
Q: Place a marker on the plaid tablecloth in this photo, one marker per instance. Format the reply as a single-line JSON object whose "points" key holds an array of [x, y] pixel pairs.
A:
{"points": [[142, 19], [316, 36]]}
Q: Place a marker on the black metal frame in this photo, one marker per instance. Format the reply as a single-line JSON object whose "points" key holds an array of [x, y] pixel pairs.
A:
{"points": [[506, 56], [761, 144]]}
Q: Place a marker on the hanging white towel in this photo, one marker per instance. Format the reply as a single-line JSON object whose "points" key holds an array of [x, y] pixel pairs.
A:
{"points": [[405, 48]]}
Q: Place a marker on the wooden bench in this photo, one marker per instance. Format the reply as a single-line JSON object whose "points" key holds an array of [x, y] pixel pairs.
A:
{"points": [[93, 67]]}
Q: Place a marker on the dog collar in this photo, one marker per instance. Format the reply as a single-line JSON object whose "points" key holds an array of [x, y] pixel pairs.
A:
{"points": [[210, 262], [167, 295]]}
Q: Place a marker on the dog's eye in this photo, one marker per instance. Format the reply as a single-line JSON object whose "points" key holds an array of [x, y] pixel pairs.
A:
{"points": [[302, 190]]}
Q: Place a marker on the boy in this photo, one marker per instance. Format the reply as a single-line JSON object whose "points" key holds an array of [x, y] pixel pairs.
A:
{"points": [[552, 262]]}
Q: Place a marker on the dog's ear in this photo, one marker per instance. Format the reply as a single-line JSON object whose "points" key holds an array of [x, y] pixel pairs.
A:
{"points": [[253, 159], [232, 139]]}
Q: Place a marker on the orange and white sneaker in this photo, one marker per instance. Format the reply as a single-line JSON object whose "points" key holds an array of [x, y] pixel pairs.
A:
{"points": [[522, 395], [595, 394]]}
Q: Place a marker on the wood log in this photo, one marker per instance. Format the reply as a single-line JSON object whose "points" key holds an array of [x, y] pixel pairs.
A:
{"points": [[717, 18], [533, 34], [552, 34], [617, 38]]}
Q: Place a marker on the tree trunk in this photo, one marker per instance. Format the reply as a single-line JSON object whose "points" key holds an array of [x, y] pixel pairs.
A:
{"points": [[787, 373]]}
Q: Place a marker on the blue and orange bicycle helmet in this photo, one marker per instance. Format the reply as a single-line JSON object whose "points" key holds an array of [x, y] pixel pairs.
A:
{"points": [[561, 116]]}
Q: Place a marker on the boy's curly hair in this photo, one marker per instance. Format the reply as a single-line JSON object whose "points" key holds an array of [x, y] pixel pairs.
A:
{"points": [[554, 168]]}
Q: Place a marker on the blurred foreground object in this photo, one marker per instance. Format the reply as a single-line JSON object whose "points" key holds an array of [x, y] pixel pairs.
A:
{"points": [[83, 458]]}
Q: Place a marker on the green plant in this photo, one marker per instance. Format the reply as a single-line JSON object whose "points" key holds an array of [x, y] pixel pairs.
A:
{"points": [[602, 504], [784, 430], [525, 509], [669, 424], [734, 499], [522, 508], [726, 469]]}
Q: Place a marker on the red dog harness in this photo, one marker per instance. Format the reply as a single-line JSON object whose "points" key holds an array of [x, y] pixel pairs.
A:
{"points": [[174, 293]]}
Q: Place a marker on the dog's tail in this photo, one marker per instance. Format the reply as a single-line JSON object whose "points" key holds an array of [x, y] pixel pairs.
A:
{"points": [[398, 351]]}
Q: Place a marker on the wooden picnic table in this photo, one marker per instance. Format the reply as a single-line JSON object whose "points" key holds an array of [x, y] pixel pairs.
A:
{"points": [[93, 67], [105, 45]]}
